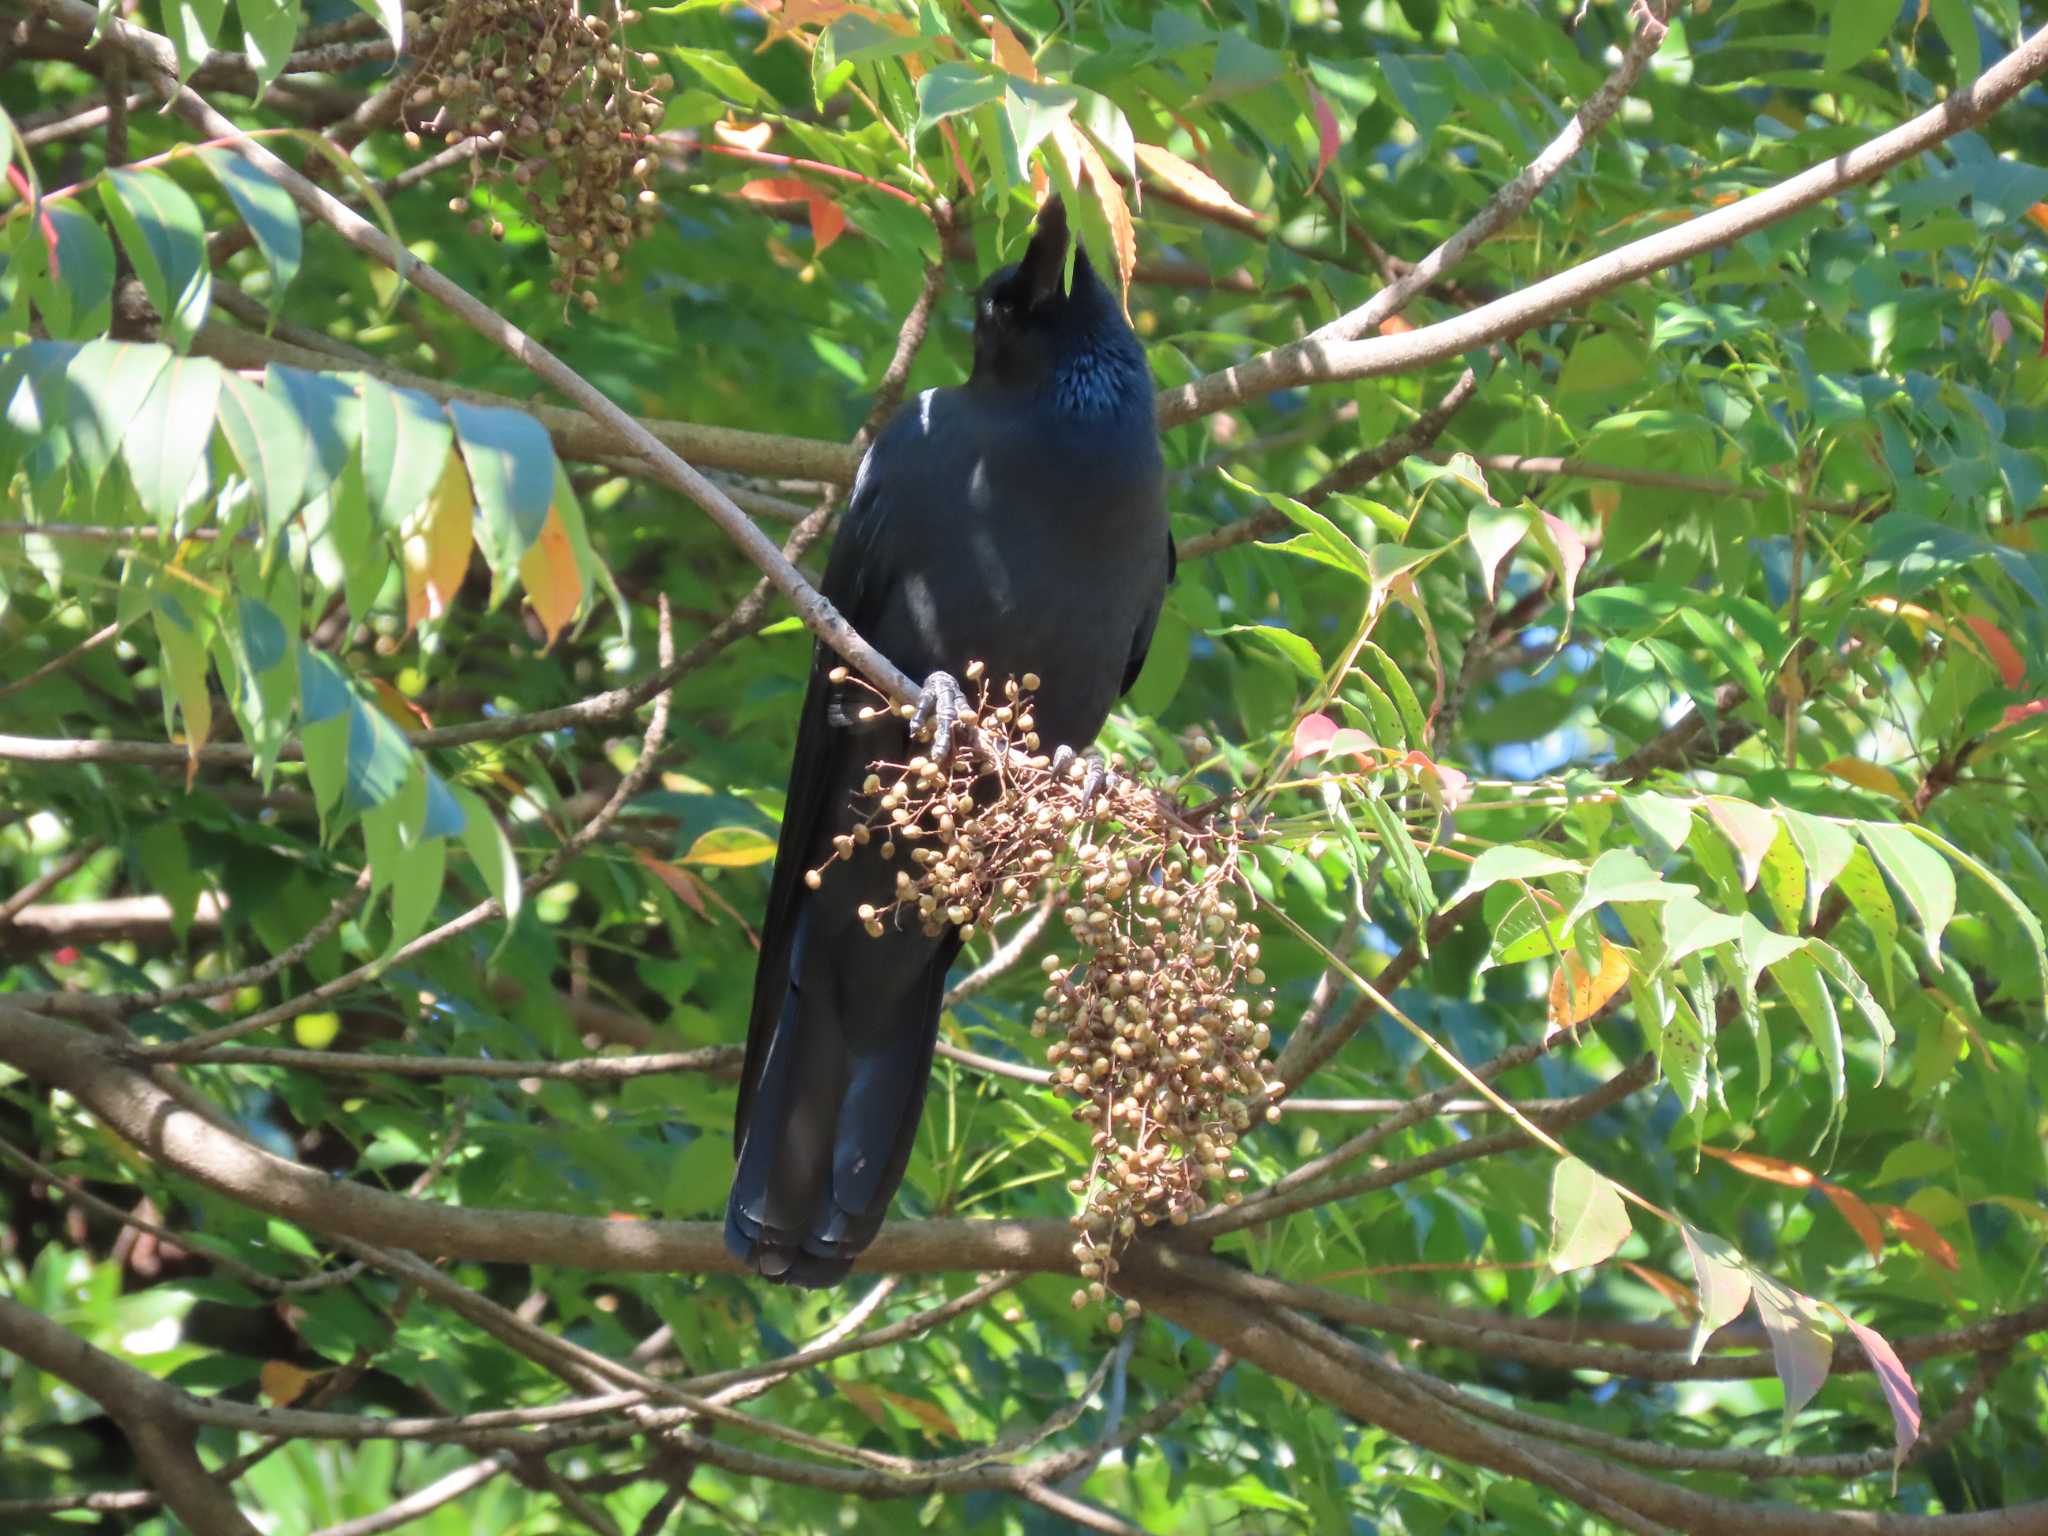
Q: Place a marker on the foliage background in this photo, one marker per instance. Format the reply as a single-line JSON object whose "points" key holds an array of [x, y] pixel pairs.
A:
{"points": [[1770, 619]]}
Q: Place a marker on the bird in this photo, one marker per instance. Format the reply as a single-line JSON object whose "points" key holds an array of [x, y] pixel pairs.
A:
{"points": [[1017, 519]]}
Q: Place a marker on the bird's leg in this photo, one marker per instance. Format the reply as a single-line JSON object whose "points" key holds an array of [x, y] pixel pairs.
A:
{"points": [[939, 705], [1096, 775]]}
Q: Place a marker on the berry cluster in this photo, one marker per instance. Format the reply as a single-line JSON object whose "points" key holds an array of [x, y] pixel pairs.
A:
{"points": [[1162, 1036], [549, 94]]}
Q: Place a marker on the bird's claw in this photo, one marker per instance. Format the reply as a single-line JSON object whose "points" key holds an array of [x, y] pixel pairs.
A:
{"points": [[1096, 775], [939, 707]]}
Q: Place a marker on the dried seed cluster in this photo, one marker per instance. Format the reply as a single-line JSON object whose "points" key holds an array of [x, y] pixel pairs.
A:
{"points": [[1162, 1033], [549, 93]]}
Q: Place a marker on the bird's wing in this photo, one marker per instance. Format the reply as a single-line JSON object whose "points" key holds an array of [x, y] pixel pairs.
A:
{"points": [[1141, 642], [856, 582]]}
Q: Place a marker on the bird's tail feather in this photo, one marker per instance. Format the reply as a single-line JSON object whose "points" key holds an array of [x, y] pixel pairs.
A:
{"points": [[833, 1118]]}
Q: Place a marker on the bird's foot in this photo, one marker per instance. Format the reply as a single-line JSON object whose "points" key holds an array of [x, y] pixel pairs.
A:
{"points": [[939, 707], [1095, 774]]}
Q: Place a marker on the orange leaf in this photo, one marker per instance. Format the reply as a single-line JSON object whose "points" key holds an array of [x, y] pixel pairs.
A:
{"points": [[828, 221], [397, 707], [1576, 995], [867, 1399], [1012, 55], [435, 553], [934, 1419], [1191, 182], [1394, 325], [282, 1382], [2039, 214], [1919, 1231], [1329, 138], [1676, 1292], [1123, 237], [1882, 781], [686, 886], [748, 136], [1858, 1215], [2003, 654], [548, 571], [1758, 1166]]}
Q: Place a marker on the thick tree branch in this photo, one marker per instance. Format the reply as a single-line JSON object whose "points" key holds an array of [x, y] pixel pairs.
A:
{"points": [[1328, 355]]}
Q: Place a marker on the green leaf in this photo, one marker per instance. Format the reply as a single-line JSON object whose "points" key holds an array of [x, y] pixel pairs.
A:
{"points": [[1512, 862], [2019, 911], [1836, 965], [1033, 111], [1494, 533], [1855, 28], [512, 470], [1601, 364], [1289, 646], [165, 445], [326, 704], [266, 208], [1799, 977], [405, 449], [269, 28], [1401, 691], [485, 842], [193, 25], [107, 383], [160, 228], [1956, 20], [953, 88], [1827, 848], [1691, 926], [1722, 1280], [388, 14], [182, 628], [1663, 821], [1528, 931], [416, 889], [718, 71], [268, 443], [75, 299], [1588, 1222], [1868, 894], [1618, 875], [329, 420], [1920, 873], [1782, 876]]}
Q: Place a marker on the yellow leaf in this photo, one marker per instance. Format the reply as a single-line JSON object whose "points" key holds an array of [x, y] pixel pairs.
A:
{"points": [[1123, 238], [730, 848], [282, 1382], [1880, 781], [1191, 182], [1012, 55], [1576, 995], [436, 550], [554, 586]]}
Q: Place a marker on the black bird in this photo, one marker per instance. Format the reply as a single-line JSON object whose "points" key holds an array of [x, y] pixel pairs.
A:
{"points": [[1018, 520]]}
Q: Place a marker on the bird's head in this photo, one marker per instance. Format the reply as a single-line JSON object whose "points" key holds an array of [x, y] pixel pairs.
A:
{"points": [[1033, 332]]}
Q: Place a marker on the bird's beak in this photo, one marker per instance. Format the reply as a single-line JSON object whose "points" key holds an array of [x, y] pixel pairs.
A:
{"points": [[1045, 259]]}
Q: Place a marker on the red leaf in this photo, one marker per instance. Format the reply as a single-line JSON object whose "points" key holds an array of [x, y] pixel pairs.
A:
{"points": [[65, 955], [1919, 1231], [1899, 1395], [1328, 139], [2012, 671], [1757, 1166], [828, 223], [1313, 735], [681, 881], [2019, 712], [1858, 1215]]}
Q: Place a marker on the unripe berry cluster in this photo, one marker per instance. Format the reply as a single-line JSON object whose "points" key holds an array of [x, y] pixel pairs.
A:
{"points": [[550, 91]]}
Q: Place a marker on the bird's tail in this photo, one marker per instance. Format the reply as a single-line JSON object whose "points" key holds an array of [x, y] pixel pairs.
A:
{"points": [[829, 1128]]}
